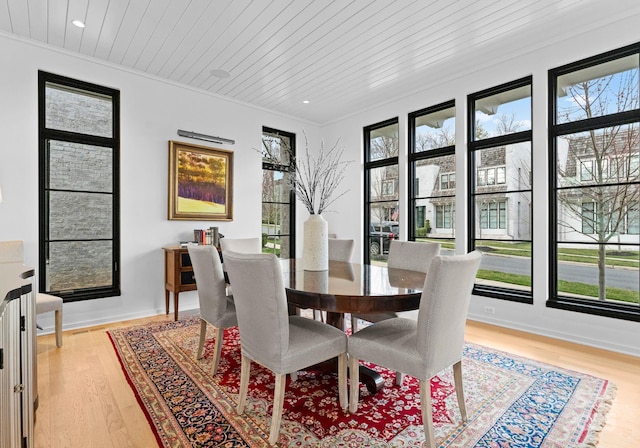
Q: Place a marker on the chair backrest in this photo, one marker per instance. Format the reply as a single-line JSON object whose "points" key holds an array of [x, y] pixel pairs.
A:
{"points": [[210, 281], [443, 308], [241, 245], [412, 255], [340, 249], [261, 306], [11, 252]]}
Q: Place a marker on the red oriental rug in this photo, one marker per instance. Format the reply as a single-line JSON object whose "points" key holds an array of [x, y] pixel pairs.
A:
{"points": [[511, 401]]}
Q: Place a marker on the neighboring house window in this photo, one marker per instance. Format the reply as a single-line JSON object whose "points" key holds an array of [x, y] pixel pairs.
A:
{"points": [[79, 197], [278, 198], [445, 216], [594, 138], [432, 176], [381, 196], [500, 189]]}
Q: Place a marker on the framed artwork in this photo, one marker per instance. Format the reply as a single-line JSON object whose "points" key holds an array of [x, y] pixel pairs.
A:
{"points": [[200, 183]]}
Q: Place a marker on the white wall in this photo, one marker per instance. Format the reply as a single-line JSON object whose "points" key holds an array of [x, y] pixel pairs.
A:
{"points": [[446, 83], [151, 112]]}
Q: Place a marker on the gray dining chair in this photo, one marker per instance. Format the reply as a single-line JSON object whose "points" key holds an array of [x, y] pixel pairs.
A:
{"points": [[241, 245], [341, 249], [216, 308], [409, 255], [269, 336], [424, 347], [13, 252]]}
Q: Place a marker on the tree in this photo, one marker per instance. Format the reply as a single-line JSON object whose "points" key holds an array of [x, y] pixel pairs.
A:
{"points": [[602, 165]]}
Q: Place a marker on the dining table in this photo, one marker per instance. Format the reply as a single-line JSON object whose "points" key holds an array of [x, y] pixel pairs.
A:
{"points": [[347, 288]]}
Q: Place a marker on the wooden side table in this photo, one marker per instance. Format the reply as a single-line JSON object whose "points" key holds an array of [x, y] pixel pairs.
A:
{"points": [[178, 275]]}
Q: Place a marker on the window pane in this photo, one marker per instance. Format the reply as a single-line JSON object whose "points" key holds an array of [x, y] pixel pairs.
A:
{"points": [[75, 110], [276, 186], [505, 264], [278, 245], [74, 166], [601, 156], [504, 113], [383, 142], [383, 184], [508, 166], [605, 220], [78, 265], [504, 215], [598, 90], [578, 274], [276, 148], [435, 130], [74, 216], [427, 172]]}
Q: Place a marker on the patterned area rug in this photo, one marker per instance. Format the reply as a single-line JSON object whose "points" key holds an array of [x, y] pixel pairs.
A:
{"points": [[511, 401]]}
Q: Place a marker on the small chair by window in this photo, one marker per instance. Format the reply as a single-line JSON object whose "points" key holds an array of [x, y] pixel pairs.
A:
{"points": [[13, 252], [424, 347], [216, 308], [269, 336]]}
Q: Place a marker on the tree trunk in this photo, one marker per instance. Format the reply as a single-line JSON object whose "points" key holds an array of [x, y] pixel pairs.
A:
{"points": [[602, 266]]}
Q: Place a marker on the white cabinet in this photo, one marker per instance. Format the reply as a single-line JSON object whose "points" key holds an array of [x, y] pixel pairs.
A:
{"points": [[17, 356]]}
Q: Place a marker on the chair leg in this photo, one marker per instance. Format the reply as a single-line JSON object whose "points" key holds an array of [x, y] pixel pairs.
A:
{"points": [[342, 381], [457, 379], [278, 404], [354, 388], [294, 376], [245, 368], [58, 326], [217, 349], [399, 378], [354, 324], [203, 335], [427, 416]]}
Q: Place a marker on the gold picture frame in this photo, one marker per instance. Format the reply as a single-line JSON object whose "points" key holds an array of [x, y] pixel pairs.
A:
{"points": [[200, 183]]}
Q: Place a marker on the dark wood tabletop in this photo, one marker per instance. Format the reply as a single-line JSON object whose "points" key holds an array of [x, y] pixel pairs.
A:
{"points": [[352, 287]]}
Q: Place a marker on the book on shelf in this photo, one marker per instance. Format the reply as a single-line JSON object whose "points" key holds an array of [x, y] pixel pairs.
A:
{"points": [[209, 236]]}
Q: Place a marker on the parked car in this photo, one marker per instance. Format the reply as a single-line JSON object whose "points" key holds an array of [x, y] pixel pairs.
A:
{"points": [[380, 235]]}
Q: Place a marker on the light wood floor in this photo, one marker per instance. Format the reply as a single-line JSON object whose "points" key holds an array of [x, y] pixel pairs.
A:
{"points": [[85, 400]]}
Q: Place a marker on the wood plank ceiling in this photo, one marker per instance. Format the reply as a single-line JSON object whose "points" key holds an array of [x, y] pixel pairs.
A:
{"points": [[341, 56]]}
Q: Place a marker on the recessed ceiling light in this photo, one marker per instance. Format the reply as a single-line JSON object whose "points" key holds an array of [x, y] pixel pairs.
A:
{"points": [[219, 73], [78, 23], [306, 101]]}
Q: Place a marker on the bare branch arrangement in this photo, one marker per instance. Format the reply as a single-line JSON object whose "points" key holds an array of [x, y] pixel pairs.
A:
{"points": [[315, 179]]}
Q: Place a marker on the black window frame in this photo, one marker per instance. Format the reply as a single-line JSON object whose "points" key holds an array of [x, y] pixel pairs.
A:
{"points": [[555, 300], [414, 157], [368, 166], [474, 145], [44, 135], [292, 196]]}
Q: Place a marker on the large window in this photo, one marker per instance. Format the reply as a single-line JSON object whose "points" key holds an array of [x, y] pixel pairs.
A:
{"points": [[381, 188], [79, 132], [594, 123], [278, 200], [432, 166], [500, 202]]}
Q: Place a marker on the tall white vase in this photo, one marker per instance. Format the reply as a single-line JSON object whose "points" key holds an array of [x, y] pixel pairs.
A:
{"points": [[315, 249]]}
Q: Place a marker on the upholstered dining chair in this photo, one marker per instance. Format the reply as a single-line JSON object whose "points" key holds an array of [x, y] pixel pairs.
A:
{"points": [[13, 252], [241, 245], [409, 255], [216, 308], [424, 347], [269, 336], [341, 249]]}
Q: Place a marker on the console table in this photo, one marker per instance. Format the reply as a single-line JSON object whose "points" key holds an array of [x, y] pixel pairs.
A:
{"points": [[178, 275]]}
